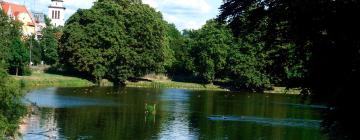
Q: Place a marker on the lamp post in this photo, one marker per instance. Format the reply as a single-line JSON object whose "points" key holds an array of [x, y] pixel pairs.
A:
{"points": [[30, 50]]}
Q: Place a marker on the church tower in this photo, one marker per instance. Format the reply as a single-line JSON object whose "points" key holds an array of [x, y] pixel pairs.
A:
{"points": [[57, 13]]}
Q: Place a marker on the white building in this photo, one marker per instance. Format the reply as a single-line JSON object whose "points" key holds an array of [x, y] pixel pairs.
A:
{"points": [[19, 13], [57, 12]]}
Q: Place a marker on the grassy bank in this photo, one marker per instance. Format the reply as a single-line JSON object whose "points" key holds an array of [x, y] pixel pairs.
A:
{"points": [[284, 90], [173, 84], [44, 79], [40, 79]]}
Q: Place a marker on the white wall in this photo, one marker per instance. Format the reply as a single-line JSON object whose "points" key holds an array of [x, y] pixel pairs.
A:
{"points": [[57, 6]]}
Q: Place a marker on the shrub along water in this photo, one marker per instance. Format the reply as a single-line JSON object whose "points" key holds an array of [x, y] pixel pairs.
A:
{"points": [[13, 57], [11, 108]]}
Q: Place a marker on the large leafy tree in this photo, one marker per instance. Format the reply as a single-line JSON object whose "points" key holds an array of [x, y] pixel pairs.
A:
{"points": [[115, 41], [11, 108], [247, 63], [19, 57], [210, 46], [5, 34], [325, 39], [49, 45], [178, 50], [13, 52]]}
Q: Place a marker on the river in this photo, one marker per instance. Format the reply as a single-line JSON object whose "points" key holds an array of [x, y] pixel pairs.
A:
{"points": [[114, 114]]}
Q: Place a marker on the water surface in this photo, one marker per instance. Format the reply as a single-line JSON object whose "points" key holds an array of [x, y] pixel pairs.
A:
{"points": [[113, 114]]}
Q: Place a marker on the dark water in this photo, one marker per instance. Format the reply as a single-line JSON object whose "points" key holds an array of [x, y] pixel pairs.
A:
{"points": [[107, 114]]}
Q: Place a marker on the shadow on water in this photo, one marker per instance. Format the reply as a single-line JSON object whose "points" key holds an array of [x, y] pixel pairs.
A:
{"points": [[302, 105], [108, 113]]}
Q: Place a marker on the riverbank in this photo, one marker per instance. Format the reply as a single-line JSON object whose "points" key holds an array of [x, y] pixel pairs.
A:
{"points": [[284, 90], [41, 79], [173, 84], [44, 80]]}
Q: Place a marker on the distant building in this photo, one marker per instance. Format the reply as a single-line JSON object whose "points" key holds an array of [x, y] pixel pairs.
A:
{"points": [[57, 13], [40, 24], [19, 13]]}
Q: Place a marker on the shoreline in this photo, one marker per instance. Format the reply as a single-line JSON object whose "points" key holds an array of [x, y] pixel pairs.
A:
{"points": [[39, 80]]}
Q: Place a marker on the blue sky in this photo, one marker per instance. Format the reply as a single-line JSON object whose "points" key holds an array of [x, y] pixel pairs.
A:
{"points": [[185, 14]]}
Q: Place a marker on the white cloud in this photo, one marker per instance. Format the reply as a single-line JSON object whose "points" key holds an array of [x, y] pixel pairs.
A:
{"points": [[152, 3], [73, 5], [82, 4], [185, 14], [193, 5], [183, 22]]}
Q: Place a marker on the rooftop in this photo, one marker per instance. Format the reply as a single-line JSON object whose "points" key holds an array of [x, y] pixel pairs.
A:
{"points": [[15, 10]]}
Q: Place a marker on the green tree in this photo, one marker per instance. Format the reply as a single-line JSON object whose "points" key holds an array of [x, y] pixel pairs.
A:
{"points": [[11, 109], [247, 63], [175, 44], [12, 49], [122, 41], [326, 45], [19, 57], [5, 34], [49, 45], [9, 31], [210, 48]]}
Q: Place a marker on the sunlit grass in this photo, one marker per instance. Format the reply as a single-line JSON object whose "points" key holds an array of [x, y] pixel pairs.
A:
{"points": [[173, 84], [44, 79]]}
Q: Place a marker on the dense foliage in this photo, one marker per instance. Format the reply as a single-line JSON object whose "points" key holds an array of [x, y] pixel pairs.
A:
{"points": [[19, 58], [13, 56], [324, 48], [182, 63], [6, 31], [209, 47], [49, 45], [11, 109], [212, 53], [115, 41], [12, 49]]}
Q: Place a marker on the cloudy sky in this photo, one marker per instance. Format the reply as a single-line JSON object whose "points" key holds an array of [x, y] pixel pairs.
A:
{"points": [[185, 14]]}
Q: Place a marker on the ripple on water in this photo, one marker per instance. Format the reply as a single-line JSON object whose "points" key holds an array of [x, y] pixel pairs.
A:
{"points": [[290, 122]]}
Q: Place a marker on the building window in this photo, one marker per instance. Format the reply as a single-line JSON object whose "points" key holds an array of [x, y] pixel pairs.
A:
{"points": [[58, 14], [52, 15]]}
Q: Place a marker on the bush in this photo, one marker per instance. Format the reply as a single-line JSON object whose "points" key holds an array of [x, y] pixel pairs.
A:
{"points": [[26, 71], [11, 108]]}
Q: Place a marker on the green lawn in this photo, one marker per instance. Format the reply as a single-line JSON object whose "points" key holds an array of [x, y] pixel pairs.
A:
{"points": [[284, 90], [39, 79], [44, 79], [173, 84]]}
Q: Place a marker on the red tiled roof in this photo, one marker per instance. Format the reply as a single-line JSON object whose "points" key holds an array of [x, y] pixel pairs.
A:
{"points": [[16, 9]]}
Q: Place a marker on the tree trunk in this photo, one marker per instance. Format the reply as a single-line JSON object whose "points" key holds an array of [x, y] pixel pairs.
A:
{"points": [[98, 81], [17, 71]]}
